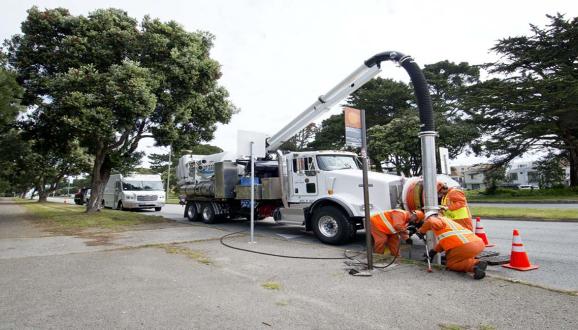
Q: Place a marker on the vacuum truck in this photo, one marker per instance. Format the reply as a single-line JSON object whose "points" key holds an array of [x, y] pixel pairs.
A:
{"points": [[320, 189]]}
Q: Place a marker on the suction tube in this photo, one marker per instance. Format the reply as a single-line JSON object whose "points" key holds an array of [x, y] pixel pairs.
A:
{"points": [[427, 127], [420, 85]]}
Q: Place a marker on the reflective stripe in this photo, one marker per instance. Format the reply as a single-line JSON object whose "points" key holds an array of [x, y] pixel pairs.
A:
{"points": [[518, 249], [454, 227], [458, 233], [517, 239], [386, 222], [461, 213]]}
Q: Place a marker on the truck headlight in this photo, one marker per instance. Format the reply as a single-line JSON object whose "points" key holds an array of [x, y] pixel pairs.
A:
{"points": [[130, 197]]}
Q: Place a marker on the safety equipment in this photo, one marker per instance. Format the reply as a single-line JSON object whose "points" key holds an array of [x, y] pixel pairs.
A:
{"points": [[386, 223], [519, 258], [429, 214], [387, 228], [411, 230], [481, 233], [441, 185], [419, 214], [459, 213], [451, 234]]}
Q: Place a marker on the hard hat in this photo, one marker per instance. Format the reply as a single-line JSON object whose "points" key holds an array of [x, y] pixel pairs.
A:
{"points": [[419, 214], [430, 213], [441, 185]]}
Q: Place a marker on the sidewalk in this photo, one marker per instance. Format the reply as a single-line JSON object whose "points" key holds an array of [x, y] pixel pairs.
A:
{"points": [[135, 282]]}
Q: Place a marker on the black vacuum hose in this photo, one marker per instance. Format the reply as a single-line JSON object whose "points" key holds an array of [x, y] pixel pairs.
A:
{"points": [[420, 85]]}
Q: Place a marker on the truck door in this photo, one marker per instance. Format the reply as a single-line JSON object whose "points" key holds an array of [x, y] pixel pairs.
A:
{"points": [[304, 177], [117, 192]]}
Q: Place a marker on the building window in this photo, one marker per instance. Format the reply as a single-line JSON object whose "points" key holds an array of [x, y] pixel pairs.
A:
{"points": [[476, 186], [533, 177], [513, 176], [472, 176]]}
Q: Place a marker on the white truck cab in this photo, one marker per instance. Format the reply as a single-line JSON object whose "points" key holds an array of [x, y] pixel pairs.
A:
{"points": [[135, 191]]}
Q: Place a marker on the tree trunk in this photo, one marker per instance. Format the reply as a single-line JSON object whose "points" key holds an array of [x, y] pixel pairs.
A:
{"points": [[573, 158], [100, 175], [42, 196]]}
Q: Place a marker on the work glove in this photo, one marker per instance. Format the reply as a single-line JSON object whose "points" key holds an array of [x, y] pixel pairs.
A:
{"points": [[411, 230], [409, 241]]}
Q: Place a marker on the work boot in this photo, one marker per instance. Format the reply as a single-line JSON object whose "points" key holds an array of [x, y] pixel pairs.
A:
{"points": [[480, 270]]}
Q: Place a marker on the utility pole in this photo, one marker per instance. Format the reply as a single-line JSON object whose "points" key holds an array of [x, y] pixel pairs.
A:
{"points": [[168, 172], [367, 224]]}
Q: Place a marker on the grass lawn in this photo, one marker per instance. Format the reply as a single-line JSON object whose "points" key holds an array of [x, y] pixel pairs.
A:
{"points": [[70, 218], [524, 213], [517, 195]]}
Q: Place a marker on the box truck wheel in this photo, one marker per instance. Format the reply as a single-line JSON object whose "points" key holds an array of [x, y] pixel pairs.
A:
{"points": [[120, 207], [191, 212], [332, 226], [208, 213]]}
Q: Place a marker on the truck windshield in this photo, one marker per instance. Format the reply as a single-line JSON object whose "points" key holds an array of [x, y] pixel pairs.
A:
{"points": [[142, 185], [337, 162]]}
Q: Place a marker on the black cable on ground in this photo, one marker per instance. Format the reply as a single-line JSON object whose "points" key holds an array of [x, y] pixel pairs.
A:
{"points": [[273, 254], [361, 263]]}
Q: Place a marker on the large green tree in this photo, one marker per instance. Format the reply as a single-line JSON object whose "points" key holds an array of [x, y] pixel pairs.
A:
{"points": [[108, 81], [531, 103]]}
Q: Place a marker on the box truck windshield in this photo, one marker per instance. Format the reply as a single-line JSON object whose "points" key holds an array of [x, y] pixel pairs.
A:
{"points": [[142, 185]]}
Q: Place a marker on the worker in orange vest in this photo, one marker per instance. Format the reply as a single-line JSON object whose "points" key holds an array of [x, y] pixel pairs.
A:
{"points": [[461, 245], [454, 205], [389, 226]]}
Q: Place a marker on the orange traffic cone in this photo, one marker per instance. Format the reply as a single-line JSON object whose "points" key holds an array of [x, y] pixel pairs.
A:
{"points": [[519, 258], [481, 233]]}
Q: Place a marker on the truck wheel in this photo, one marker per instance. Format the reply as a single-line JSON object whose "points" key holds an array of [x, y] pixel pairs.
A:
{"points": [[208, 213], [120, 207], [191, 212], [332, 226]]}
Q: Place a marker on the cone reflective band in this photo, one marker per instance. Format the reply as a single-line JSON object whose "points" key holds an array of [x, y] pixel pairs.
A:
{"points": [[519, 258], [481, 233]]}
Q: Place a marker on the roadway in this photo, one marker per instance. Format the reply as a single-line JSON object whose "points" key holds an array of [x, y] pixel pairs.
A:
{"points": [[549, 244]]}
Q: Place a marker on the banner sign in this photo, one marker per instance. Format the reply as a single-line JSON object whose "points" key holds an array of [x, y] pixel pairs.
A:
{"points": [[352, 127]]}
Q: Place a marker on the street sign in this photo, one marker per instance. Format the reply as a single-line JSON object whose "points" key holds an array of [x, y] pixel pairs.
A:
{"points": [[352, 127], [445, 161]]}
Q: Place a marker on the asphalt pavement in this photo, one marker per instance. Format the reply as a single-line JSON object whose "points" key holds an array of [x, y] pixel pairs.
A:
{"points": [[194, 282], [549, 244]]}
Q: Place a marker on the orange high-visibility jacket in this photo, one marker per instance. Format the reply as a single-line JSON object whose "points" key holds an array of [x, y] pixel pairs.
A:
{"points": [[390, 222], [450, 234], [455, 201]]}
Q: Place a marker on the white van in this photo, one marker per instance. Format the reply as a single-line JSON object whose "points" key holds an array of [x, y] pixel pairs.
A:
{"points": [[136, 191]]}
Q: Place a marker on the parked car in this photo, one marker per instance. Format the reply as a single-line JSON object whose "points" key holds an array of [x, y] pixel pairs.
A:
{"points": [[527, 187]]}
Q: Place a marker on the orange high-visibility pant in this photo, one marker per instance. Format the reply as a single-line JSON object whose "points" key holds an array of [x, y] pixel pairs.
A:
{"points": [[466, 223], [381, 239], [461, 259]]}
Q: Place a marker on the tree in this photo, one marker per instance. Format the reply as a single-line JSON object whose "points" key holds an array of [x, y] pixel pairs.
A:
{"points": [[10, 93], [551, 173], [302, 139], [109, 82], [330, 134], [494, 176], [532, 102]]}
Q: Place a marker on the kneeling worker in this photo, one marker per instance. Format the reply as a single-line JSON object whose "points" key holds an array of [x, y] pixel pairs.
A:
{"points": [[387, 225], [461, 245]]}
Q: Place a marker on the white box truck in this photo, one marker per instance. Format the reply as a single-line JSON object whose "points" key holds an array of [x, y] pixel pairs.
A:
{"points": [[136, 191]]}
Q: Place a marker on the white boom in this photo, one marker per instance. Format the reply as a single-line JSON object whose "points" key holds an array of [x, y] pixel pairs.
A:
{"points": [[349, 85]]}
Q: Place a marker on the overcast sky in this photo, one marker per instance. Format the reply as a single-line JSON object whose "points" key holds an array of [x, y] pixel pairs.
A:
{"points": [[277, 57]]}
